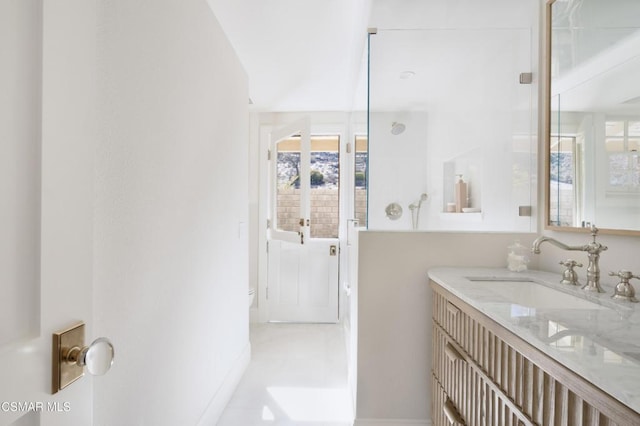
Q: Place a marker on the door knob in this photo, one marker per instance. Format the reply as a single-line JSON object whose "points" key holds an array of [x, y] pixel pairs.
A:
{"points": [[97, 357], [71, 356]]}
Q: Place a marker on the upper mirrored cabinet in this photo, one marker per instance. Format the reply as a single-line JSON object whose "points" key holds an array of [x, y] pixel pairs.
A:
{"points": [[593, 156]]}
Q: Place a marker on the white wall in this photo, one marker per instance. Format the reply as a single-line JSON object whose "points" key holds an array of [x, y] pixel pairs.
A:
{"points": [[171, 212]]}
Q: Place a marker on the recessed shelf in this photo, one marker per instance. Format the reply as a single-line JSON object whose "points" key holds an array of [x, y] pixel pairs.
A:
{"points": [[462, 217]]}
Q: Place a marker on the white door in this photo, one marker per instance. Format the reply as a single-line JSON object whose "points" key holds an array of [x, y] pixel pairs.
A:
{"points": [[46, 203], [303, 245]]}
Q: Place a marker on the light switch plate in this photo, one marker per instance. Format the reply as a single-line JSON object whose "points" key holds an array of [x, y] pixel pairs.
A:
{"points": [[64, 373]]}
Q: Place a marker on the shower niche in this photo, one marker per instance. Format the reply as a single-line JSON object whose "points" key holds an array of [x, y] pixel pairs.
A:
{"points": [[467, 168]]}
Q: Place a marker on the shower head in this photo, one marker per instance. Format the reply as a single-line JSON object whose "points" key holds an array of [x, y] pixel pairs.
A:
{"points": [[397, 128]]}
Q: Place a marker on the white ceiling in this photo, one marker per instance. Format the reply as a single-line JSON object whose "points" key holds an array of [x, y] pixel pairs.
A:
{"points": [[299, 54], [310, 55]]}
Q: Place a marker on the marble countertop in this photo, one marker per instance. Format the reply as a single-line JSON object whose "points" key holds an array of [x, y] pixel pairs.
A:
{"points": [[595, 336]]}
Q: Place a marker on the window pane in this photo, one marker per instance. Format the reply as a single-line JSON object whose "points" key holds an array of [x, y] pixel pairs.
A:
{"points": [[325, 186], [360, 196], [635, 170], [634, 144], [288, 185], [614, 144], [619, 176], [614, 128], [634, 128], [561, 182]]}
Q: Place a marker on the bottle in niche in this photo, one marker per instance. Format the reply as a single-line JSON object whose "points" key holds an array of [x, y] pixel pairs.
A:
{"points": [[460, 194]]}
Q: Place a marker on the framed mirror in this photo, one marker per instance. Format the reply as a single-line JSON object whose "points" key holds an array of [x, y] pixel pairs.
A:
{"points": [[593, 115]]}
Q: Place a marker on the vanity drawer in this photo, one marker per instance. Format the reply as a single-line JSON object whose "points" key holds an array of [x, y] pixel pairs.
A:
{"points": [[474, 396], [443, 409], [448, 316], [448, 365], [488, 352]]}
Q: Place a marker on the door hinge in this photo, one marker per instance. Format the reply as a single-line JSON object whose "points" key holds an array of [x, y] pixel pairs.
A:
{"points": [[267, 293], [268, 154], [348, 147], [268, 223]]}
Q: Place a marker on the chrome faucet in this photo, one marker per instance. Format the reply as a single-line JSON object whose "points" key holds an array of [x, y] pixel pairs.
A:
{"points": [[593, 250]]}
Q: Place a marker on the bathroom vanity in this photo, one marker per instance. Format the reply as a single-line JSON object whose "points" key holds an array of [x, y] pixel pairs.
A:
{"points": [[520, 349]]}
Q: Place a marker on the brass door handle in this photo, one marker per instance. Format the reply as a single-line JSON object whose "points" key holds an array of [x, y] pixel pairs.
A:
{"points": [[71, 356]]}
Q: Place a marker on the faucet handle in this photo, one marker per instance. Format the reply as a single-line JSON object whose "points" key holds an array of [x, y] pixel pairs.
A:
{"points": [[624, 290], [624, 275], [570, 263], [569, 276]]}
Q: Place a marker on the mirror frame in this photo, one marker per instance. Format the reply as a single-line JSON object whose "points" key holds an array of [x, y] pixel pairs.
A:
{"points": [[547, 139]]}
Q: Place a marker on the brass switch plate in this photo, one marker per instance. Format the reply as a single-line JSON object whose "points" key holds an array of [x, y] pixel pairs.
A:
{"points": [[63, 372]]}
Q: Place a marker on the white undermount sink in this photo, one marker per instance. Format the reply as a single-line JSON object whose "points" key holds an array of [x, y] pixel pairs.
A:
{"points": [[526, 292]]}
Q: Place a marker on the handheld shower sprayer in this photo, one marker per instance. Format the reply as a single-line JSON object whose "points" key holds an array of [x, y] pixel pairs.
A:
{"points": [[413, 206], [415, 210]]}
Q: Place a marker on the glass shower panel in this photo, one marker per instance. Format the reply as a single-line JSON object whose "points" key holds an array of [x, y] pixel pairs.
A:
{"points": [[360, 180], [447, 102]]}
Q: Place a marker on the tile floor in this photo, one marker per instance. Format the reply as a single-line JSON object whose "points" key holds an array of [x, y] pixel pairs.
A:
{"points": [[297, 376]]}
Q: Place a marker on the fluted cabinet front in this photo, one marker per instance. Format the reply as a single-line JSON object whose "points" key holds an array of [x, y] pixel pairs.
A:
{"points": [[481, 376]]}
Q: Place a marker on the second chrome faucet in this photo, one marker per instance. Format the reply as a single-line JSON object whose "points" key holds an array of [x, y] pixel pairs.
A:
{"points": [[593, 250]]}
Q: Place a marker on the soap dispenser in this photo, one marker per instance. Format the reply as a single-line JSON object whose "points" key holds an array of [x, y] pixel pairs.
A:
{"points": [[460, 194], [517, 257]]}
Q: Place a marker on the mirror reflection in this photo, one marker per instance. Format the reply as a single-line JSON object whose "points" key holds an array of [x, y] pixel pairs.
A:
{"points": [[594, 140]]}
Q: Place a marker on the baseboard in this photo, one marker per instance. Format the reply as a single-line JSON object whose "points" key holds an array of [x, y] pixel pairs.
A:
{"points": [[223, 396], [391, 422]]}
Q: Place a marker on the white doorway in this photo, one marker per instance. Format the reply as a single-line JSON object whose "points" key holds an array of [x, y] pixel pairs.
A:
{"points": [[303, 214]]}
